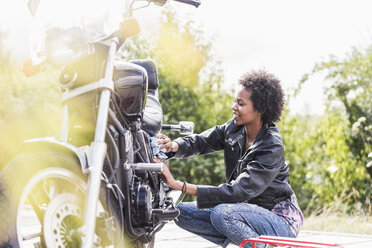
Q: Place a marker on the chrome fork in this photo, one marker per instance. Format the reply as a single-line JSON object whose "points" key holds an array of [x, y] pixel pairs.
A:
{"points": [[97, 153]]}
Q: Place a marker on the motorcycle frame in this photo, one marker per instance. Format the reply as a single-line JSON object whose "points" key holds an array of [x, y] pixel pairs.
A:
{"points": [[95, 153], [91, 157]]}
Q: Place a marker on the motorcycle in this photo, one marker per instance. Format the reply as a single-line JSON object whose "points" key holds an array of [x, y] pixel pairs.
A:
{"points": [[96, 185]]}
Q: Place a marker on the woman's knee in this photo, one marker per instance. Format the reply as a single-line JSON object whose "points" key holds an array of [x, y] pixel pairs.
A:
{"points": [[220, 215], [225, 216], [225, 211]]}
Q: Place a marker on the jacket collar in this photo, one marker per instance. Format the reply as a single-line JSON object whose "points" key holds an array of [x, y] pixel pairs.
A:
{"points": [[237, 134]]}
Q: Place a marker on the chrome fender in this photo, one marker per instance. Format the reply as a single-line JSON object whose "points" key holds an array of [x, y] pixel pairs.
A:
{"points": [[52, 143]]}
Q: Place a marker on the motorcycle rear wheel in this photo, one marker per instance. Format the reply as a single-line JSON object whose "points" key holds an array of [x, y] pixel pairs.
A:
{"points": [[42, 201]]}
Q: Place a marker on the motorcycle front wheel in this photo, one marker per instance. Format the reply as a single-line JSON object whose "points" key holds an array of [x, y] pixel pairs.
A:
{"points": [[42, 201]]}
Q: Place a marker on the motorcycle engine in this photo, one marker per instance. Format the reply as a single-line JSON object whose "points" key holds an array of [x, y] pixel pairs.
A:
{"points": [[142, 203]]}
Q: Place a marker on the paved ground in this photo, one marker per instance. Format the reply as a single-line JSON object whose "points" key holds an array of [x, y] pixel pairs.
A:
{"points": [[171, 236]]}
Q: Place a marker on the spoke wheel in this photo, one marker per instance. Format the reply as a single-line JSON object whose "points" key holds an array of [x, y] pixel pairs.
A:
{"points": [[51, 202], [42, 197]]}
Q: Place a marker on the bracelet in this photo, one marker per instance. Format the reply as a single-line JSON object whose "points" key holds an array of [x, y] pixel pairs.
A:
{"points": [[184, 187]]}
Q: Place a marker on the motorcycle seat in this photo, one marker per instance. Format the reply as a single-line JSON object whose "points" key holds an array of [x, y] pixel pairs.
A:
{"points": [[152, 117], [152, 73]]}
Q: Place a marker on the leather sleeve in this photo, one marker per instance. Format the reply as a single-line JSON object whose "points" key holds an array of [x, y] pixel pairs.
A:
{"points": [[257, 172], [209, 141]]}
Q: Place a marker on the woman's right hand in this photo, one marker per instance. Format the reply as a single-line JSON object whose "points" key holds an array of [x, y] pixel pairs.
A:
{"points": [[165, 142]]}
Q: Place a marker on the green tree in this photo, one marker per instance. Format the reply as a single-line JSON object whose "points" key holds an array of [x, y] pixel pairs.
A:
{"points": [[351, 86], [29, 106], [322, 167], [330, 155]]}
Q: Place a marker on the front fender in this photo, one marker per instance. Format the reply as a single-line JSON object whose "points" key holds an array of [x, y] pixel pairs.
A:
{"points": [[54, 144]]}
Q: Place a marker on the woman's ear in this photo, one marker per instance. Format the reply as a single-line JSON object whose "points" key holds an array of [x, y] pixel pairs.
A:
{"points": [[260, 114]]}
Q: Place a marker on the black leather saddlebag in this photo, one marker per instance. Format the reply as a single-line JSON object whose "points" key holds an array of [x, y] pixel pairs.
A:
{"points": [[131, 84]]}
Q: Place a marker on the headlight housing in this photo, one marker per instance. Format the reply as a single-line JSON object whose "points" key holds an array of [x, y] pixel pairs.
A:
{"points": [[64, 46], [64, 27]]}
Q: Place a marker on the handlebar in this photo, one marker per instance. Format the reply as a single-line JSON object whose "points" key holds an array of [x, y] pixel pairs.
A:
{"points": [[184, 127], [195, 3]]}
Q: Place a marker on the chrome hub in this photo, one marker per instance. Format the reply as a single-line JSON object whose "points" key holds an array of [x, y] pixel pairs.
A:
{"points": [[62, 221]]}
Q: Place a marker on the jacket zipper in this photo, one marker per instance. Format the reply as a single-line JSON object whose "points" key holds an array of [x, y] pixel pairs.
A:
{"points": [[238, 163]]}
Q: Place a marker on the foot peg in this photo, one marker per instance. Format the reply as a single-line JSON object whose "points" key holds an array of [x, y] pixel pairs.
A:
{"points": [[161, 215]]}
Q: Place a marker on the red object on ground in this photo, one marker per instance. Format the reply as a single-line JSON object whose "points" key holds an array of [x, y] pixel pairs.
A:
{"points": [[287, 242]]}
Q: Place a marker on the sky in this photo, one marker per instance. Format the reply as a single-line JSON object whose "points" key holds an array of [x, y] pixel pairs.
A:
{"points": [[284, 37]]}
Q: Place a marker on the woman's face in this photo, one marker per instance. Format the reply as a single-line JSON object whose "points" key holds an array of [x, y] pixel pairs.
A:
{"points": [[243, 111]]}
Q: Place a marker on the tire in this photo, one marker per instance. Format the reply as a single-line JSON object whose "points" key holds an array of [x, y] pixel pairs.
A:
{"points": [[42, 201]]}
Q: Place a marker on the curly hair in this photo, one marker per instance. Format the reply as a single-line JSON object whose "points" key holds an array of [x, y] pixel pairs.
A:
{"points": [[266, 94]]}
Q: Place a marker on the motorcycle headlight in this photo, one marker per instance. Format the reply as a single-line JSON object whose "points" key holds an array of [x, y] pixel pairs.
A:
{"points": [[64, 46]]}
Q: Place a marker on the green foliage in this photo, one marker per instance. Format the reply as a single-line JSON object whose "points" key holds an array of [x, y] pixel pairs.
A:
{"points": [[29, 106], [322, 164], [330, 156], [351, 86], [295, 132]]}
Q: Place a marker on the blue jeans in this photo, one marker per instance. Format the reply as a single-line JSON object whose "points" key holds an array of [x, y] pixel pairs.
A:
{"points": [[233, 222]]}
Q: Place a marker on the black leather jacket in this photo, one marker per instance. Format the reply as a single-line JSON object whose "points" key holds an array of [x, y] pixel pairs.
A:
{"points": [[259, 176]]}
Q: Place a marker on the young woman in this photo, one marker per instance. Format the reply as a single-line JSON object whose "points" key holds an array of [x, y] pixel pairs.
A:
{"points": [[257, 198]]}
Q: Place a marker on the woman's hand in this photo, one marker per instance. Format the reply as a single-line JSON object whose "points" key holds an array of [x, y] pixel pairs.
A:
{"points": [[175, 184], [167, 175], [168, 178], [165, 142]]}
